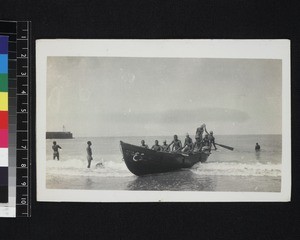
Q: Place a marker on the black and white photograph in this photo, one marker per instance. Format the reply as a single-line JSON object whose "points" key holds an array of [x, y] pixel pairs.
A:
{"points": [[163, 120]]}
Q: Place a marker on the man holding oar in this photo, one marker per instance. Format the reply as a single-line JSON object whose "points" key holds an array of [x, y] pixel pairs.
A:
{"points": [[177, 145], [211, 139], [188, 144]]}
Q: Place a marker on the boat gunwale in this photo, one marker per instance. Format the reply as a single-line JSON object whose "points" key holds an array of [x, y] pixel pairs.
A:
{"points": [[173, 154]]}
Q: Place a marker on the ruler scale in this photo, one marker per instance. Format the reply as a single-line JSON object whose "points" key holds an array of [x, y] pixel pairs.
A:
{"points": [[18, 115], [22, 113]]}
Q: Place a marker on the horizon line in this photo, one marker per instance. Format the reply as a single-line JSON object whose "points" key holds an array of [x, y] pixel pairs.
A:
{"points": [[180, 135]]}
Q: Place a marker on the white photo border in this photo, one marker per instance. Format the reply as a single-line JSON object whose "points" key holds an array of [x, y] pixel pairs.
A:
{"points": [[238, 49]]}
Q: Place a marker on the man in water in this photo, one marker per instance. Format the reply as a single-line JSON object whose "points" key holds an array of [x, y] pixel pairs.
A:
{"points": [[89, 153], [55, 148], [164, 147], [257, 147], [188, 144], [143, 144], [177, 145], [199, 132], [156, 147]]}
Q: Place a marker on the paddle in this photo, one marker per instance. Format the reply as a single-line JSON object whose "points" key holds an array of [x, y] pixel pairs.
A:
{"points": [[224, 146]]}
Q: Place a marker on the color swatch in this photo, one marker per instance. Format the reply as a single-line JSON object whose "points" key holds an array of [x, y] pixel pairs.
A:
{"points": [[14, 119], [3, 119]]}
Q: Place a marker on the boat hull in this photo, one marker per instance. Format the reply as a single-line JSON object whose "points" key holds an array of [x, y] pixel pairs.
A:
{"points": [[141, 161]]}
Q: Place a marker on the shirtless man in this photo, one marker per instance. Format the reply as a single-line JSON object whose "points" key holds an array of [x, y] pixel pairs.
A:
{"points": [[156, 147], [257, 147], [188, 144], [55, 148], [89, 153], [199, 132], [211, 139], [205, 141], [177, 145], [197, 147], [164, 147], [143, 144]]}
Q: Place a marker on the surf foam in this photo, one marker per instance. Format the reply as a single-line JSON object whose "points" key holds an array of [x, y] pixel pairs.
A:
{"points": [[237, 169]]}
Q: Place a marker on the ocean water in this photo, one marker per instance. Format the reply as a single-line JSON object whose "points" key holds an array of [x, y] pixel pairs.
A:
{"points": [[243, 169]]}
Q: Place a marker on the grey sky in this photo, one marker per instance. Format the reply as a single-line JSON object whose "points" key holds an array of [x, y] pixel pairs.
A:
{"points": [[96, 96]]}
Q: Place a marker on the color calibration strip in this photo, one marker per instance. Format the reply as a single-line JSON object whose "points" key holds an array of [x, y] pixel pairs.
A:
{"points": [[17, 98], [4, 119]]}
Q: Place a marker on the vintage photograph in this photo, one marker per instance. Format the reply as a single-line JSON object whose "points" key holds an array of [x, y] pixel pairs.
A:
{"points": [[181, 120]]}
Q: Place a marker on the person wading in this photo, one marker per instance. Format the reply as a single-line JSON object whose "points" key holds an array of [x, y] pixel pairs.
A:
{"points": [[89, 153], [55, 148], [257, 147]]}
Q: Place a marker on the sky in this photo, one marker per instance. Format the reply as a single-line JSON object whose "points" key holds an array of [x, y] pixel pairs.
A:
{"points": [[118, 96]]}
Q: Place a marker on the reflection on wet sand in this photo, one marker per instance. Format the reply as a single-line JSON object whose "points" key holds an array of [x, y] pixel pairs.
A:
{"points": [[257, 155], [88, 183], [173, 181]]}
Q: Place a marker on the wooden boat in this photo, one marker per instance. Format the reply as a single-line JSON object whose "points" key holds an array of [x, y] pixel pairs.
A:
{"points": [[142, 161]]}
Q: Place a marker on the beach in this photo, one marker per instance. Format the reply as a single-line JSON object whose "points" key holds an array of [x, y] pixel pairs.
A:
{"points": [[243, 169]]}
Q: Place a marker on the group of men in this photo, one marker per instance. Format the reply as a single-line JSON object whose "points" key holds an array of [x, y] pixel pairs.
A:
{"points": [[201, 143]]}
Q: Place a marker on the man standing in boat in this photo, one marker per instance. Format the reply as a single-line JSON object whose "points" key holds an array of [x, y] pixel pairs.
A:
{"points": [[211, 139], [55, 148], [205, 140], [177, 145], [89, 153], [188, 144], [156, 147], [199, 132], [205, 143], [143, 144]]}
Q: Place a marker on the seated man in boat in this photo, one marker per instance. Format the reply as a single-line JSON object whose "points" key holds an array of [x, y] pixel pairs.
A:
{"points": [[199, 132], [188, 144], [197, 147], [205, 143], [164, 147], [156, 147], [177, 145], [143, 144]]}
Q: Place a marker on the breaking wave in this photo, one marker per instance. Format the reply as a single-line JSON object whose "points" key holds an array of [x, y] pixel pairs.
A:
{"points": [[237, 169], [78, 167]]}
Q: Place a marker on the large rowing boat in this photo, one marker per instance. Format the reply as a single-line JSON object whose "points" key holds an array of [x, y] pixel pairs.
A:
{"points": [[142, 161]]}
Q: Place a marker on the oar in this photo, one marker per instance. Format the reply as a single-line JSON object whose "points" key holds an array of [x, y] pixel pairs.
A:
{"points": [[224, 146]]}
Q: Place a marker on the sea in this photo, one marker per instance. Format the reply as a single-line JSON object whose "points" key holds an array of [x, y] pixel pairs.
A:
{"points": [[242, 169]]}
